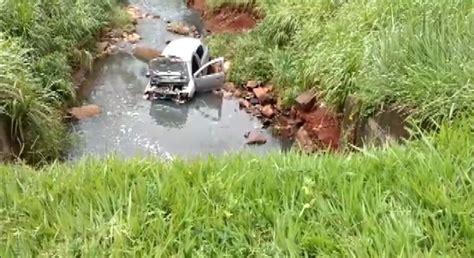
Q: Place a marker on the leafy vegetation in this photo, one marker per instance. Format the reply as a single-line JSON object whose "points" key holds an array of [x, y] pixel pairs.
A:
{"points": [[41, 44], [417, 54], [415, 200]]}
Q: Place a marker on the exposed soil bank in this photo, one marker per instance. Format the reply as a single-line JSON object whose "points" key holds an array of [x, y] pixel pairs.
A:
{"points": [[227, 19]]}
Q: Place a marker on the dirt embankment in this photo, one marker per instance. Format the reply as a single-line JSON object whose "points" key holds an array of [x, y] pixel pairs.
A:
{"points": [[227, 19], [309, 122]]}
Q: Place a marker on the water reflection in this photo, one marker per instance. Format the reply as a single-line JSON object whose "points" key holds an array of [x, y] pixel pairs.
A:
{"points": [[172, 115]]}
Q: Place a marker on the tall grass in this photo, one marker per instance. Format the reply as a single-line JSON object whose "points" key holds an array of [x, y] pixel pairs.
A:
{"points": [[417, 54], [42, 43], [408, 201]]}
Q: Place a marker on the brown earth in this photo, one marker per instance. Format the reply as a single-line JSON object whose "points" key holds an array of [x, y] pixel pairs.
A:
{"points": [[228, 19]]}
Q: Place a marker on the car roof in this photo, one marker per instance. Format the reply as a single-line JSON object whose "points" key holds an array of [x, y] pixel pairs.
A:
{"points": [[183, 48]]}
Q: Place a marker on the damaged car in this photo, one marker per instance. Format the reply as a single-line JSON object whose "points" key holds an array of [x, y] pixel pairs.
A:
{"points": [[182, 70]]}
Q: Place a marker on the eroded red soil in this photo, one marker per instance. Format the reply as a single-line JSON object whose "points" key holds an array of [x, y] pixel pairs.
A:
{"points": [[227, 19]]}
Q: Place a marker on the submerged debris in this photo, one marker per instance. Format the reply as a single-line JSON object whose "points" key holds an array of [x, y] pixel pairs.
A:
{"points": [[255, 137]]}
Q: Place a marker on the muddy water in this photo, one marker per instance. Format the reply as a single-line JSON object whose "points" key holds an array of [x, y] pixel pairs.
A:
{"points": [[131, 126]]}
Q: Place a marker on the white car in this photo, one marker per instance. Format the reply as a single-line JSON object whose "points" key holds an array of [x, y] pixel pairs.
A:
{"points": [[182, 70]]}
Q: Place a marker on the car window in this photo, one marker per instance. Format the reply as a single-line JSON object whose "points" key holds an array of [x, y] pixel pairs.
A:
{"points": [[200, 51], [195, 64]]}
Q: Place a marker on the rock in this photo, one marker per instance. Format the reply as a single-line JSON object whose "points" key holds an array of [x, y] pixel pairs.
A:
{"points": [[229, 86], [387, 126], [133, 38], [101, 47], [180, 28], [146, 54], [252, 84], [256, 137], [254, 101], [134, 12], [244, 103], [84, 111], [304, 141], [305, 101], [268, 111], [237, 93], [263, 96]]}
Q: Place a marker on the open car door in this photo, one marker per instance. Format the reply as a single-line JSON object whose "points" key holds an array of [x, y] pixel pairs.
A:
{"points": [[212, 81]]}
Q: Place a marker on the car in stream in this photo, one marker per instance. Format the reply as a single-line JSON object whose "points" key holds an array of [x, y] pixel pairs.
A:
{"points": [[183, 69]]}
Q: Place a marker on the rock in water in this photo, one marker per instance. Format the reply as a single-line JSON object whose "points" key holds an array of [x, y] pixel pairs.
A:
{"points": [[256, 137], [86, 111], [146, 54], [182, 28]]}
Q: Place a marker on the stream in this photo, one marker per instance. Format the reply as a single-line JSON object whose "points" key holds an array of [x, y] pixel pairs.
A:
{"points": [[130, 126]]}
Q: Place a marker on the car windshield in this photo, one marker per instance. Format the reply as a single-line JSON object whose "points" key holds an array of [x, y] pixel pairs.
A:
{"points": [[168, 65]]}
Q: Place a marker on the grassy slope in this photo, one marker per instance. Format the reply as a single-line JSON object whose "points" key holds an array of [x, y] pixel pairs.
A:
{"points": [[41, 43], [415, 53], [409, 201]]}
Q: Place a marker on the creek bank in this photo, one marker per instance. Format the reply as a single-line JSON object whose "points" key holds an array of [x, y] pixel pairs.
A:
{"points": [[309, 122], [110, 41], [226, 19]]}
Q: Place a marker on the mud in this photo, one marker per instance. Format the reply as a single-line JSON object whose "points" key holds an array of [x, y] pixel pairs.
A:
{"points": [[227, 19]]}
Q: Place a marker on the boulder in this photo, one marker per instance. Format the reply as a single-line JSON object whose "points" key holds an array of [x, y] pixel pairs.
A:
{"points": [[262, 95], [268, 111], [255, 137], [306, 101], [146, 54], [83, 112], [182, 28]]}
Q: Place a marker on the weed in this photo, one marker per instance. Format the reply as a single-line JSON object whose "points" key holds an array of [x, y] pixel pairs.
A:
{"points": [[416, 54], [407, 201]]}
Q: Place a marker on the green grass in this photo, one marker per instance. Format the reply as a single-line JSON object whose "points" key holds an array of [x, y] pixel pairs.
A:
{"points": [[41, 44], [407, 201], [416, 54]]}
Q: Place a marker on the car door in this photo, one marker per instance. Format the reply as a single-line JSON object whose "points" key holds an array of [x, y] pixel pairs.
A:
{"points": [[208, 82]]}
